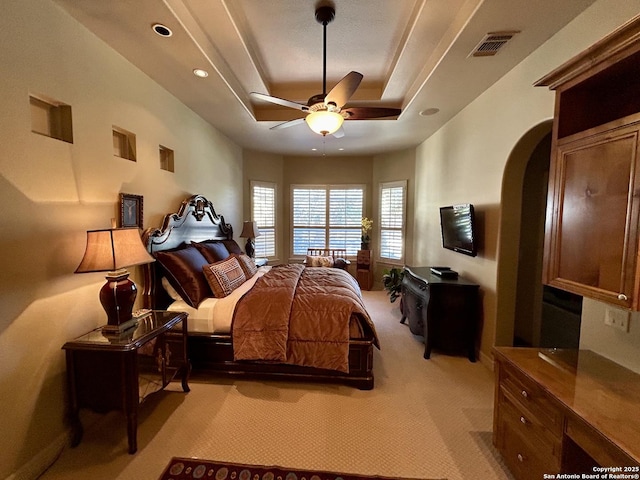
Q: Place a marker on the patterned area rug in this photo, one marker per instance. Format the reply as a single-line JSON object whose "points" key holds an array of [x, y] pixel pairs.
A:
{"points": [[195, 468]]}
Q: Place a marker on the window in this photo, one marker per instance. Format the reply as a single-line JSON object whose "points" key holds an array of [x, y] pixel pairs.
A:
{"points": [[392, 219], [263, 206], [327, 217]]}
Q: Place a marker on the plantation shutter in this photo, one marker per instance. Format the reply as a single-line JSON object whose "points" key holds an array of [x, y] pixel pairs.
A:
{"points": [[264, 214], [327, 217], [309, 219], [392, 220]]}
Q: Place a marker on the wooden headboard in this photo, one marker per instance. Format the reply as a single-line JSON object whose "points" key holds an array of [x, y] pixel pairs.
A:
{"points": [[196, 220]]}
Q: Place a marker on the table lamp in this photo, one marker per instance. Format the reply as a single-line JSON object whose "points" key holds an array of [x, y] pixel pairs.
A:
{"points": [[250, 231], [111, 250]]}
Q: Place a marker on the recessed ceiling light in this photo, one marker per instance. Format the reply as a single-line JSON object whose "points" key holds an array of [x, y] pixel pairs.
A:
{"points": [[162, 30], [314, 149], [341, 149], [429, 111], [198, 72]]}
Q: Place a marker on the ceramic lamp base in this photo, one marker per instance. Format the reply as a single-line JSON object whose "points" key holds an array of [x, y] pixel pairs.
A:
{"points": [[117, 297]]}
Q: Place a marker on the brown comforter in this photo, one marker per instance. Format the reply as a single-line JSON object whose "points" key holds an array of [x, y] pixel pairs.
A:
{"points": [[300, 316]]}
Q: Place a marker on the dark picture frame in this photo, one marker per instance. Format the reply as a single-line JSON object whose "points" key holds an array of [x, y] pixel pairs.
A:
{"points": [[130, 210]]}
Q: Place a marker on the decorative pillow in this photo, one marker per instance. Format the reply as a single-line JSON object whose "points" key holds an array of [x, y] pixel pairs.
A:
{"points": [[169, 289], [232, 246], [212, 250], [183, 269], [318, 261], [224, 276], [247, 264]]}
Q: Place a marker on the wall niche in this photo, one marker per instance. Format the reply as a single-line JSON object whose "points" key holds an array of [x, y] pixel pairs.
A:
{"points": [[51, 118]]}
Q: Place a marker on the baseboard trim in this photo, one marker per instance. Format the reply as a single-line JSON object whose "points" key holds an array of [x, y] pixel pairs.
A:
{"points": [[43, 460], [486, 360]]}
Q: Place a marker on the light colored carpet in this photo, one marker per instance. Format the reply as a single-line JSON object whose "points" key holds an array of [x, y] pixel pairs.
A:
{"points": [[424, 418]]}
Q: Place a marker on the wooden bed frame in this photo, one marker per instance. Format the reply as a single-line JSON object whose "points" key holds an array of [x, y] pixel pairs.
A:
{"points": [[212, 354]]}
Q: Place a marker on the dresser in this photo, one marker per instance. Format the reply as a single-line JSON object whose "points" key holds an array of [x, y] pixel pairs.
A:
{"points": [[117, 372], [565, 411], [444, 310]]}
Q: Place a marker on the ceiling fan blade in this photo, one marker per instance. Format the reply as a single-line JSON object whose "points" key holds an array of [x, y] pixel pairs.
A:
{"points": [[339, 133], [364, 113], [279, 101], [341, 93], [287, 124]]}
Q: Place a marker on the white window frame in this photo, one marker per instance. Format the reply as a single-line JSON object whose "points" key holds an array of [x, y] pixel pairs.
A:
{"points": [[402, 229], [273, 186], [327, 227]]}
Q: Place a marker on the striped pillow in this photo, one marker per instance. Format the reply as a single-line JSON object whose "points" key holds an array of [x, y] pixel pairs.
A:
{"points": [[224, 276]]}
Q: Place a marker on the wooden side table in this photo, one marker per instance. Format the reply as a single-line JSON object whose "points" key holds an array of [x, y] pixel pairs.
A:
{"points": [[116, 372], [364, 275]]}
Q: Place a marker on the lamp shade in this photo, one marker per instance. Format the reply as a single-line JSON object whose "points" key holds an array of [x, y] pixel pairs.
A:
{"points": [[250, 230], [112, 249], [324, 122]]}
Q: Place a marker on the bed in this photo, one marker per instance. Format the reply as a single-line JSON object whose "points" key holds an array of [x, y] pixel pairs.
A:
{"points": [[343, 349]]}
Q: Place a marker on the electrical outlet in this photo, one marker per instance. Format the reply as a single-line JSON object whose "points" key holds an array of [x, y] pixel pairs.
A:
{"points": [[617, 318]]}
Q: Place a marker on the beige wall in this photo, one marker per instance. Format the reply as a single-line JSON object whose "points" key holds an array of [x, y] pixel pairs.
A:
{"points": [[51, 192], [266, 167], [465, 160], [391, 167]]}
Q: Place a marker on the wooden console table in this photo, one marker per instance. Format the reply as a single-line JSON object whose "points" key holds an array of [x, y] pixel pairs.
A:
{"points": [[444, 310], [565, 411], [116, 372]]}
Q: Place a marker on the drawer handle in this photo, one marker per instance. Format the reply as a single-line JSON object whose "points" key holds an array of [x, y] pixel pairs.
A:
{"points": [[520, 458], [622, 297], [524, 394], [523, 420], [423, 287]]}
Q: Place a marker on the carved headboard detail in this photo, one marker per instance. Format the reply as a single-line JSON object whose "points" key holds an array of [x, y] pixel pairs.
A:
{"points": [[195, 221]]}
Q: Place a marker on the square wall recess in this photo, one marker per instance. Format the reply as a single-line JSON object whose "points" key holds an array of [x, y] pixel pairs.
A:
{"points": [[166, 158], [124, 143], [51, 118]]}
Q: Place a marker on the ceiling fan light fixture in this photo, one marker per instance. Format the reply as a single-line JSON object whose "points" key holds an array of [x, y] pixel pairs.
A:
{"points": [[324, 122]]}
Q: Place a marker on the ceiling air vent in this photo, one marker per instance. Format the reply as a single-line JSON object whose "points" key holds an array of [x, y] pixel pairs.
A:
{"points": [[492, 43]]}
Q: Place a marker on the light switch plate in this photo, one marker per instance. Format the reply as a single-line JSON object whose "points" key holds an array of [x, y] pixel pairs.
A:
{"points": [[617, 318]]}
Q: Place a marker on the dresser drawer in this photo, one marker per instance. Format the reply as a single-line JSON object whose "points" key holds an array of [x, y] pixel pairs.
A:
{"points": [[532, 433], [524, 461], [531, 398]]}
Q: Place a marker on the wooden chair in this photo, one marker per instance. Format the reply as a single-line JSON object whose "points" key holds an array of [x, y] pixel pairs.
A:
{"points": [[335, 253]]}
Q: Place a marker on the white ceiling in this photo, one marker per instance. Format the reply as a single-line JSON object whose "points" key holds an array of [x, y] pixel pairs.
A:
{"points": [[414, 54]]}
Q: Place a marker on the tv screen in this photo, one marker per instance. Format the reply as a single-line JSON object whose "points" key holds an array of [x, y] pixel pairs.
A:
{"points": [[457, 224]]}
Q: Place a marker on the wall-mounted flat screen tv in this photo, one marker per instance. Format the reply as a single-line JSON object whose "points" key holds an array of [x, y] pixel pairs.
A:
{"points": [[458, 228]]}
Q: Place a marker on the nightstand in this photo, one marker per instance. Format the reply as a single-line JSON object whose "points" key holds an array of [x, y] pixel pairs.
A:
{"points": [[364, 275], [117, 372]]}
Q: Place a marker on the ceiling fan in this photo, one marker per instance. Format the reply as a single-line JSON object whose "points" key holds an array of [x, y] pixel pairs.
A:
{"points": [[327, 111]]}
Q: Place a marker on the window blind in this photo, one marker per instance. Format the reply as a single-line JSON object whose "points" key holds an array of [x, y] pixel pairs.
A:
{"points": [[392, 220], [264, 214]]}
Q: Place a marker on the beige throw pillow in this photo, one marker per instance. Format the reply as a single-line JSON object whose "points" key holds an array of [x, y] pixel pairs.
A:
{"points": [[318, 261]]}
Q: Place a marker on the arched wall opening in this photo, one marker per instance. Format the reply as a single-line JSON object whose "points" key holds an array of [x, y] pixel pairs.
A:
{"points": [[509, 241]]}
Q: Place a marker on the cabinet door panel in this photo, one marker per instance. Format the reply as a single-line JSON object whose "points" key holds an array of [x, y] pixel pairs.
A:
{"points": [[595, 225]]}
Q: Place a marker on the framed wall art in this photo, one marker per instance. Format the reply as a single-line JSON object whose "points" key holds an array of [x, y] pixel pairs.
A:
{"points": [[130, 210]]}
